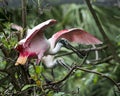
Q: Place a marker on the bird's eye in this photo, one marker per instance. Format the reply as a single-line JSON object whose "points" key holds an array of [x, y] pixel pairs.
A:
{"points": [[63, 40]]}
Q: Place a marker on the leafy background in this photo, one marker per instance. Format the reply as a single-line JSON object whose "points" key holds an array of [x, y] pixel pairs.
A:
{"points": [[29, 80]]}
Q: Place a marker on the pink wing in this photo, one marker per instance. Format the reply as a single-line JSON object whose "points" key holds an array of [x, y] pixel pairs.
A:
{"points": [[37, 30], [77, 36]]}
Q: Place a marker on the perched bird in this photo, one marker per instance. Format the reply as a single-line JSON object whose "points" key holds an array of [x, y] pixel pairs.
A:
{"points": [[36, 45]]}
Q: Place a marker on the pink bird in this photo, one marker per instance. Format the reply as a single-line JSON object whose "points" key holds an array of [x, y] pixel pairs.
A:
{"points": [[35, 44]]}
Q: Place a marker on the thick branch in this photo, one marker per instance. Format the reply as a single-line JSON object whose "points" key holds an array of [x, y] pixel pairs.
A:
{"points": [[96, 20], [105, 37], [24, 14]]}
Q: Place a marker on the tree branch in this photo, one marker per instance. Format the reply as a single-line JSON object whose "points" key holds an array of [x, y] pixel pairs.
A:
{"points": [[100, 74], [69, 73], [82, 69], [96, 62], [24, 15], [84, 50], [105, 37]]}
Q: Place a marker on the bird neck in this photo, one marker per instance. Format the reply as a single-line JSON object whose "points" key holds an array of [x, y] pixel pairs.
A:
{"points": [[56, 49]]}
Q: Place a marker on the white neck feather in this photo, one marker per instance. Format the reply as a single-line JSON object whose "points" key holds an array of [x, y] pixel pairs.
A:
{"points": [[56, 49]]}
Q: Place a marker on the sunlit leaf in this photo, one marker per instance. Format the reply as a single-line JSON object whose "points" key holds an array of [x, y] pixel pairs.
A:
{"points": [[27, 86]]}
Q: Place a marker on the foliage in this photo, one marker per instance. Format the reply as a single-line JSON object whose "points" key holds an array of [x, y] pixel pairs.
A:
{"points": [[35, 80]]}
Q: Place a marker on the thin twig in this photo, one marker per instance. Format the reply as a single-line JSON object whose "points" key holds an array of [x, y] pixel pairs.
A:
{"points": [[7, 58], [96, 62], [84, 59], [100, 74], [60, 81], [85, 70]]}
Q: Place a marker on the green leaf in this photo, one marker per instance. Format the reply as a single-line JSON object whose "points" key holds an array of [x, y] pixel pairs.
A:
{"points": [[50, 93], [38, 69], [59, 94], [27, 86]]}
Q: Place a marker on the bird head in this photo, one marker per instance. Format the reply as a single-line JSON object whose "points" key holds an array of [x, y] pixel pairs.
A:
{"points": [[63, 42]]}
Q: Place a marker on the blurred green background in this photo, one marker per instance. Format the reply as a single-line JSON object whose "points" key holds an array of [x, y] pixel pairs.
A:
{"points": [[29, 80]]}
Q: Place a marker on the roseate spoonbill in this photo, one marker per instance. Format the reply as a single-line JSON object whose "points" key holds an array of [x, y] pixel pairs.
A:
{"points": [[35, 44]]}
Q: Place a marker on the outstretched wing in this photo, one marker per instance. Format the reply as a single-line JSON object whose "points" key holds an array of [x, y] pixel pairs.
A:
{"points": [[37, 31], [76, 35]]}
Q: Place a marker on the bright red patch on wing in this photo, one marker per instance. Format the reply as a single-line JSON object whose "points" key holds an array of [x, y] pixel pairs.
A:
{"points": [[19, 48], [24, 53]]}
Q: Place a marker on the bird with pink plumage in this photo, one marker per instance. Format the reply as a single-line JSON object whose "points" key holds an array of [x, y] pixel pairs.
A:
{"points": [[36, 45]]}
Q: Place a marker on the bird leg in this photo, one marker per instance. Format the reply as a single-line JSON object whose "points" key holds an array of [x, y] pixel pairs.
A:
{"points": [[62, 63], [67, 45], [46, 79]]}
